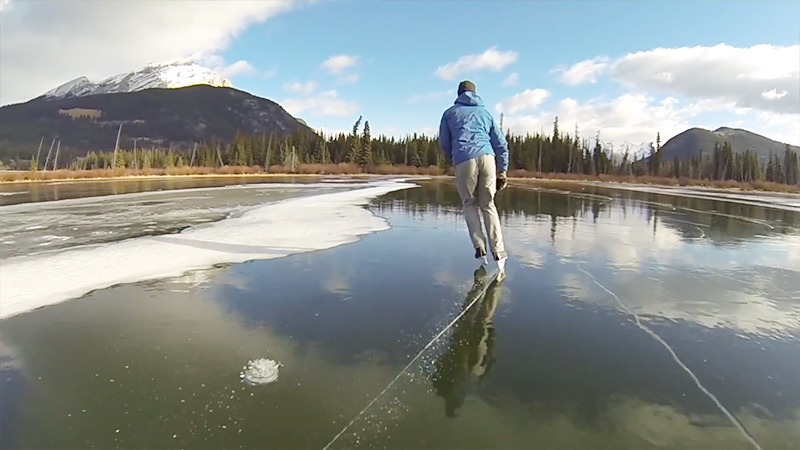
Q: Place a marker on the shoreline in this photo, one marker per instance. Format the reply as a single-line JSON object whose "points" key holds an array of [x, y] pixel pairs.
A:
{"points": [[786, 189], [173, 176]]}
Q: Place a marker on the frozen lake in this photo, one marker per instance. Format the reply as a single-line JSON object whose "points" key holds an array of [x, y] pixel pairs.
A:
{"points": [[629, 318]]}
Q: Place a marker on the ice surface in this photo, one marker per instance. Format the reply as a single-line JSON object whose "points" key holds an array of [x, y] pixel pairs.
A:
{"points": [[270, 231], [260, 371], [101, 220], [788, 202]]}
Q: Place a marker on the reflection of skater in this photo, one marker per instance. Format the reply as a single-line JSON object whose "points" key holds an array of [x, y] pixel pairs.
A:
{"points": [[471, 139], [471, 348]]}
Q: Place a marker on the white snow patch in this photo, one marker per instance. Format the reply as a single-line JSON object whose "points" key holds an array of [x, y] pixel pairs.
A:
{"points": [[170, 75], [260, 371], [270, 231]]}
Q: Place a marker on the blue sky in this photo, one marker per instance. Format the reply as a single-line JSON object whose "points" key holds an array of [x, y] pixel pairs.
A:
{"points": [[624, 69]]}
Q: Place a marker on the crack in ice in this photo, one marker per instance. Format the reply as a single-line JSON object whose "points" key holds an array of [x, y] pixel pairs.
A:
{"points": [[480, 295], [680, 363]]}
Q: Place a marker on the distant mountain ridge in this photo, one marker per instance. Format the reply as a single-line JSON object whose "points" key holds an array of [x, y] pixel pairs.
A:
{"points": [[690, 142], [170, 75], [176, 117]]}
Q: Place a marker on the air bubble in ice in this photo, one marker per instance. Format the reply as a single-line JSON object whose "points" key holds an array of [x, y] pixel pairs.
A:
{"points": [[260, 371]]}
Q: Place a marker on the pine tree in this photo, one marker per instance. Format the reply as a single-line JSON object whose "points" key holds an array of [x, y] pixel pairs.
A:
{"points": [[790, 166], [414, 157], [588, 163], [268, 156], [770, 171], [780, 175], [555, 129], [325, 154], [657, 156], [625, 165], [598, 155], [34, 165], [120, 162], [355, 143], [365, 156], [795, 167], [169, 161], [241, 155], [146, 160], [286, 153]]}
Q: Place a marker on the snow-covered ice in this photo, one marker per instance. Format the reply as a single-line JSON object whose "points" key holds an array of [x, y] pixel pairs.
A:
{"points": [[268, 231]]}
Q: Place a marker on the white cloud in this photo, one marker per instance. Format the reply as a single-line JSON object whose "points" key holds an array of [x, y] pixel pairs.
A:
{"points": [[764, 77], [240, 67], [527, 99], [630, 118], [339, 63], [774, 94], [670, 87], [209, 60], [584, 71], [492, 59], [85, 38], [665, 77], [709, 104], [326, 103], [511, 80], [781, 127], [348, 79], [341, 66], [301, 88]]}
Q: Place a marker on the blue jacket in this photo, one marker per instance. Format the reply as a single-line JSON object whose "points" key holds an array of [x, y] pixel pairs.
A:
{"points": [[468, 131]]}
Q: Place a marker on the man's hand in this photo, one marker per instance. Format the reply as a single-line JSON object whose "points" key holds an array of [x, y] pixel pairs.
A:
{"points": [[502, 181]]}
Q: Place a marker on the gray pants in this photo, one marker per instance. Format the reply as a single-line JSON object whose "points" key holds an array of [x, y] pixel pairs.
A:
{"points": [[476, 181]]}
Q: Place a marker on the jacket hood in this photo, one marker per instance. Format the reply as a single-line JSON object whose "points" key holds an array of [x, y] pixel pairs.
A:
{"points": [[470, 99]]}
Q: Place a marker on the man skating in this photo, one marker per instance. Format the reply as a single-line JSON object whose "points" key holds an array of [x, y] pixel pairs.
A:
{"points": [[471, 139]]}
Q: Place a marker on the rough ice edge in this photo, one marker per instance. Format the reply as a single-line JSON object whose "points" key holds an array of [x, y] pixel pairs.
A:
{"points": [[271, 231], [260, 371], [69, 202], [776, 201]]}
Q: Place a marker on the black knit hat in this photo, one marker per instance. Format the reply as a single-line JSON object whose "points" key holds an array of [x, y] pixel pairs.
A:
{"points": [[466, 85]]}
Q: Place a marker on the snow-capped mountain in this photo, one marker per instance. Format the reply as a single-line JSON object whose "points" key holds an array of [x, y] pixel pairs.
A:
{"points": [[167, 75]]}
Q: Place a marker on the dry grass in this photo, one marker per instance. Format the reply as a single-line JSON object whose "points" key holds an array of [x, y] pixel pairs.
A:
{"points": [[190, 171], [236, 170], [386, 169], [354, 169], [66, 174], [330, 169]]}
